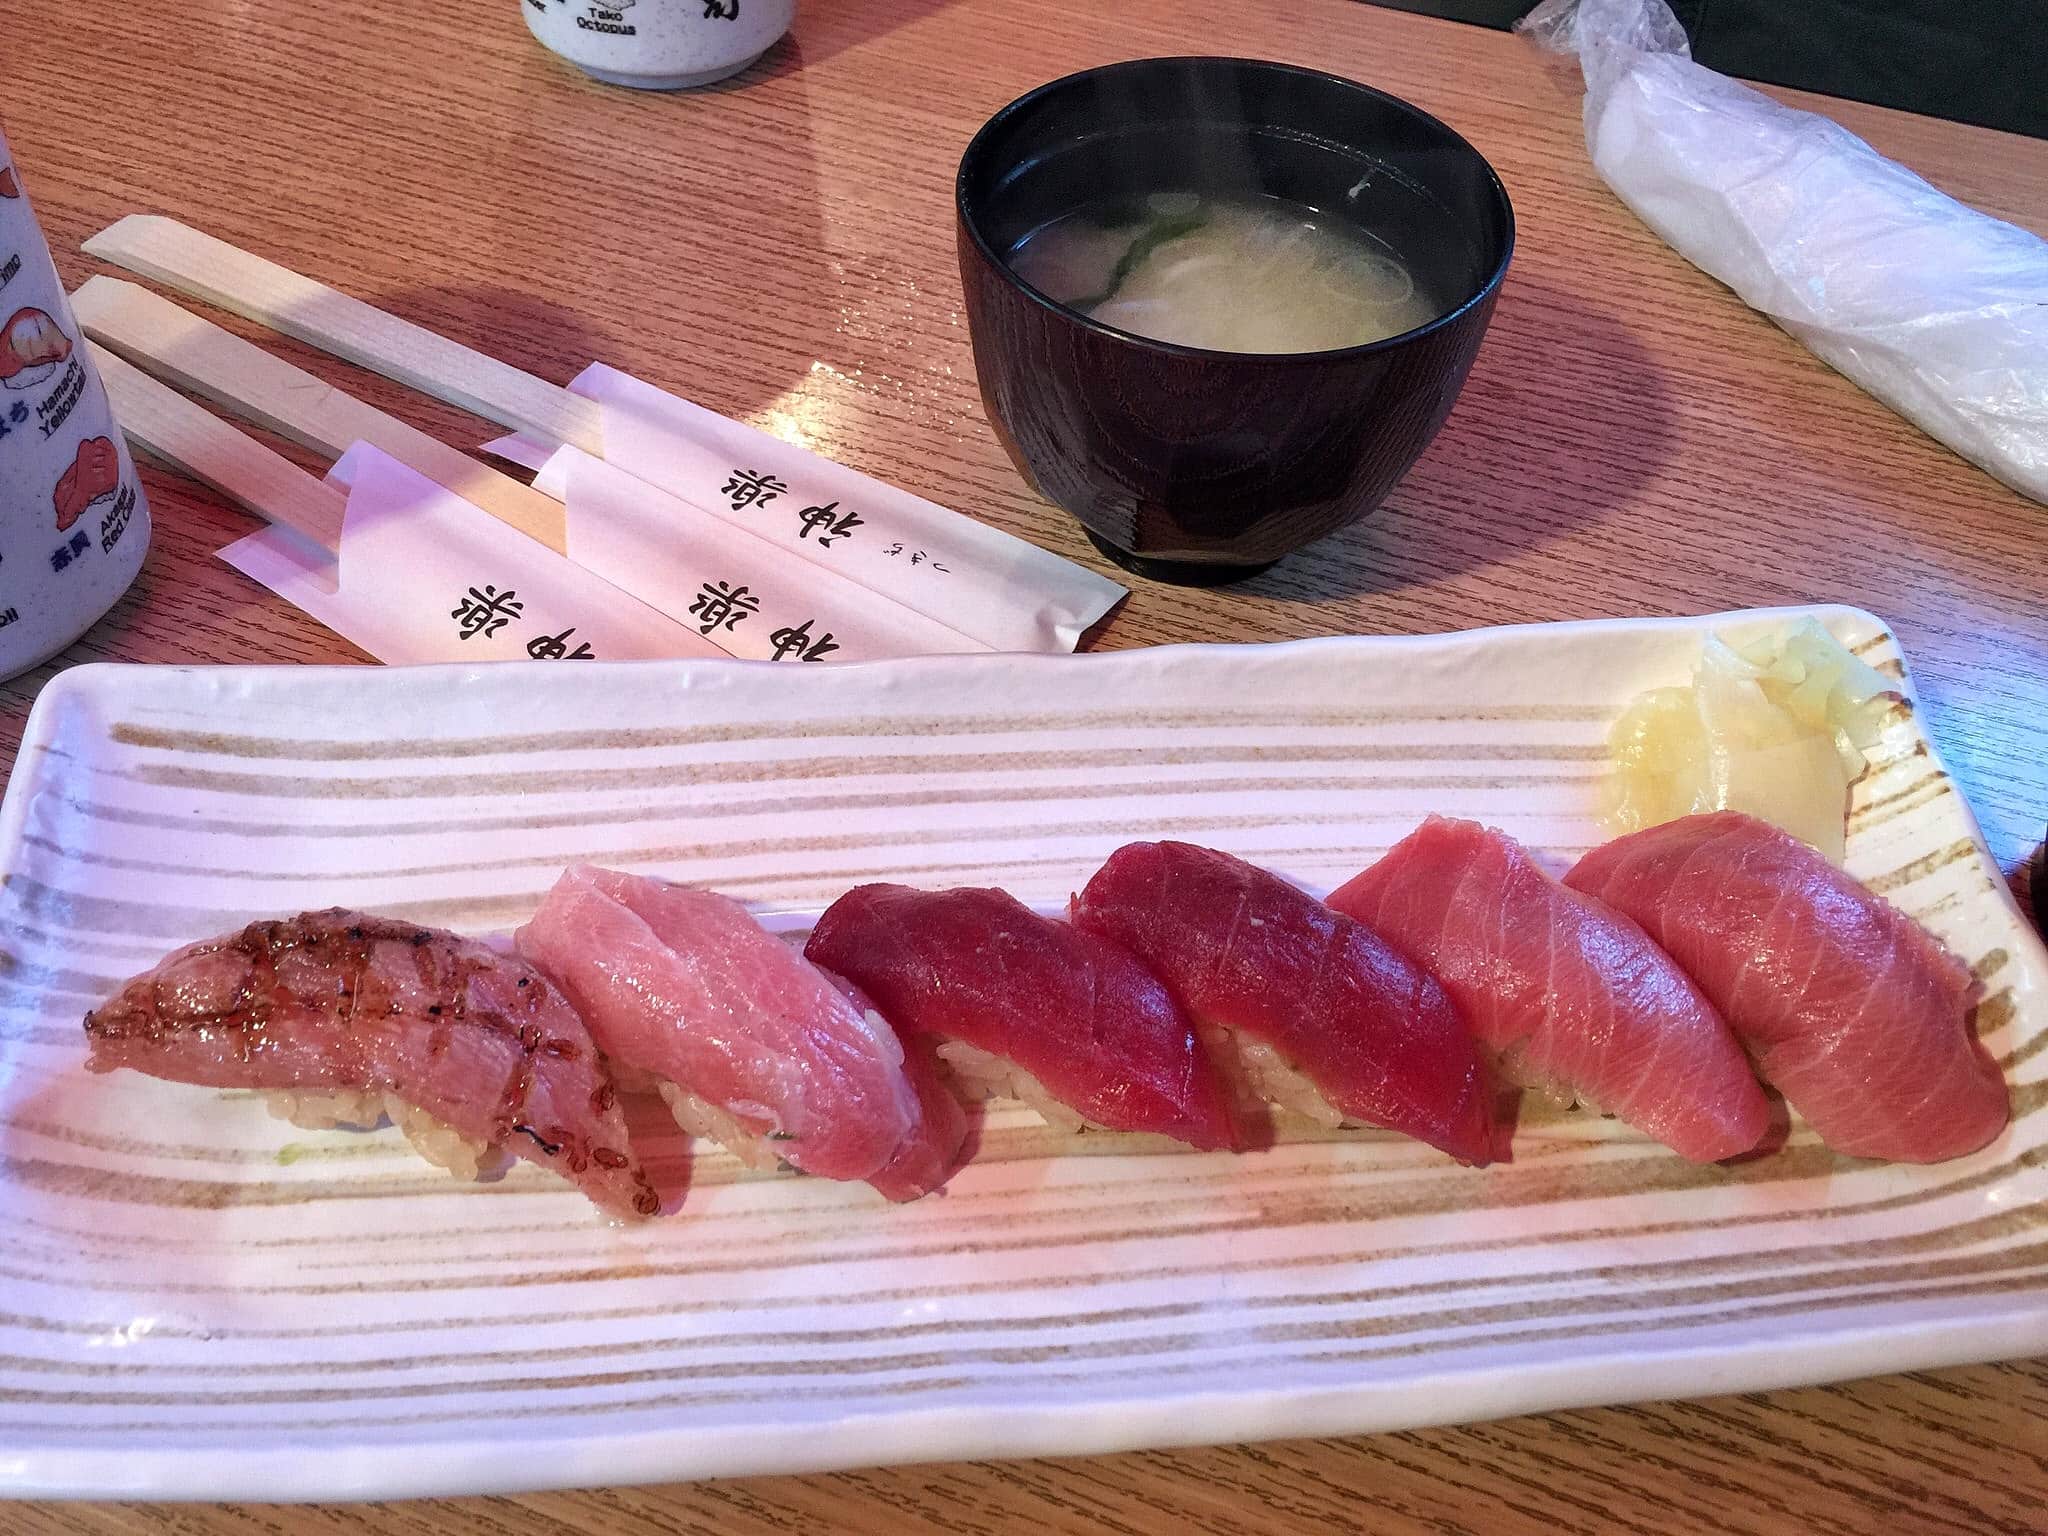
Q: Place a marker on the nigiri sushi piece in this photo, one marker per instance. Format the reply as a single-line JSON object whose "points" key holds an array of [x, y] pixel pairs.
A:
{"points": [[1029, 1007], [1311, 1009], [474, 1054], [750, 1044], [1571, 996], [1851, 1009]]}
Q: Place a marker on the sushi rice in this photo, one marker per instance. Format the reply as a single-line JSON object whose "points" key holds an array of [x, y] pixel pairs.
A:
{"points": [[1516, 1071], [346, 1109], [705, 1120], [1259, 1074], [977, 1075], [1262, 1075], [700, 1118]]}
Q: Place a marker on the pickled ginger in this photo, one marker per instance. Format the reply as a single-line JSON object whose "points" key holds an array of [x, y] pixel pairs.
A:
{"points": [[1779, 728]]}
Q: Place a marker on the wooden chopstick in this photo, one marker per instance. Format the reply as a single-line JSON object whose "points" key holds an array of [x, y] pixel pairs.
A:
{"points": [[197, 355], [159, 421], [184, 259]]}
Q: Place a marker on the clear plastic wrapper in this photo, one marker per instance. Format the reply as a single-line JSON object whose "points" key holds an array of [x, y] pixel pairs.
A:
{"points": [[1937, 309]]}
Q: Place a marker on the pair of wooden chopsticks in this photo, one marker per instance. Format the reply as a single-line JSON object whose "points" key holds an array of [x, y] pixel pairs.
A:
{"points": [[153, 339]]}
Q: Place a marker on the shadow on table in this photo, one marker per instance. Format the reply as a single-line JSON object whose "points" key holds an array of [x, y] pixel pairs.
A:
{"points": [[854, 23], [801, 47], [787, 57], [648, 231], [1564, 419]]}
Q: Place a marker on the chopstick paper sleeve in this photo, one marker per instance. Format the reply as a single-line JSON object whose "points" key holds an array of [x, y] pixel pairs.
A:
{"points": [[424, 576], [738, 590], [997, 590]]}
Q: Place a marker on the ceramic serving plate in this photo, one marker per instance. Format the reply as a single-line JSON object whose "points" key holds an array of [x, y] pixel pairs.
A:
{"points": [[197, 1300]]}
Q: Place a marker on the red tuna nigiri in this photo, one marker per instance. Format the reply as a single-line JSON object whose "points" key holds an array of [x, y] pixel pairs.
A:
{"points": [[342, 1002], [1851, 1009], [1088, 1022], [749, 1042], [1245, 951], [1567, 990]]}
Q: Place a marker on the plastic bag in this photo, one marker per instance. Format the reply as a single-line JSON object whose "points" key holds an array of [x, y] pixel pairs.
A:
{"points": [[1938, 310]]}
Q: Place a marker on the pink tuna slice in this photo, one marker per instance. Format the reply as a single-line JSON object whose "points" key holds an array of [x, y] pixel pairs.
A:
{"points": [[1851, 1009], [1242, 948], [685, 985], [1098, 1030], [929, 1156], [1564, 988]]}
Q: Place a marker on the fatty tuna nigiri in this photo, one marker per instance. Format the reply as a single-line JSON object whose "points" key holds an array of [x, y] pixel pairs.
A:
{"points": [[749, 1044], [1570, 994], [1298, 991], [1046, 1012], [1850, 1008], [349, 1013]]}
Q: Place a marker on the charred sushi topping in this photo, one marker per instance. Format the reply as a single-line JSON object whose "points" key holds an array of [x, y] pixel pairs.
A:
{"points": [[338, 1000]]}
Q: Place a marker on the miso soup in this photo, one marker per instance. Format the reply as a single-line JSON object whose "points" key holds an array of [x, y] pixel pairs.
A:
{"points": [[1228, 274]]}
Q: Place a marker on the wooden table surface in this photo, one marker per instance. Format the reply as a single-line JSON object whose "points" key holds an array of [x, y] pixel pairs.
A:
{"points": [[1632, 441]]}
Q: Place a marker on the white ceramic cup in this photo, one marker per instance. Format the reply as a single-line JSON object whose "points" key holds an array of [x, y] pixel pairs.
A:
{"points": [[659, 45], [73, 522]]}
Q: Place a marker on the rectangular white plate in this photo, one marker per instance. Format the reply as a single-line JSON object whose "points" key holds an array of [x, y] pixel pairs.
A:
{"points": [[200, 1301]]}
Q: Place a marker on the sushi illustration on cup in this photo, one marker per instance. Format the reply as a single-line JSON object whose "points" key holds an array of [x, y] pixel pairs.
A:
{"points": [[32, 347], [93, 478], [50, 399]]}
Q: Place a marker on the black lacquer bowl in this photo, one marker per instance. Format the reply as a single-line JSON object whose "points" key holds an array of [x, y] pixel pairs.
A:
{"points": [[1200, 466]]}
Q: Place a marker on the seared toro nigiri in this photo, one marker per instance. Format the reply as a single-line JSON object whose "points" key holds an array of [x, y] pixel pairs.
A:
{"points": [[473, 1053], [751, 1045], [1572, 996], [1310, 1009], [1029, 1008], [1851, 1009]]}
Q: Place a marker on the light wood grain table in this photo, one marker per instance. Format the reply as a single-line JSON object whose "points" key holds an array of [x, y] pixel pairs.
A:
{"points": [[1632, 441]]}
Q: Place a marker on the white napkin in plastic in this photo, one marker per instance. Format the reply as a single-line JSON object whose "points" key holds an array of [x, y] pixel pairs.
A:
{"points": [[1938, 310], [979, 582], [424, 576]]}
